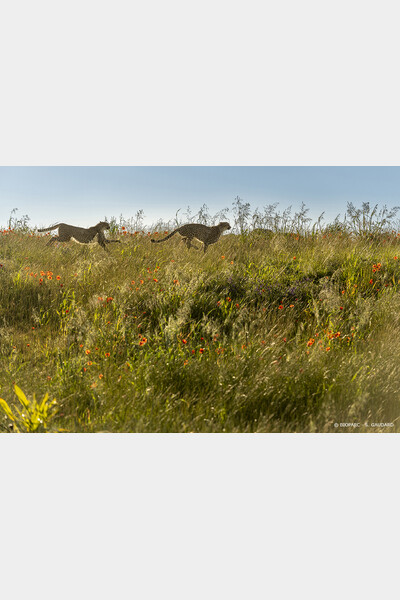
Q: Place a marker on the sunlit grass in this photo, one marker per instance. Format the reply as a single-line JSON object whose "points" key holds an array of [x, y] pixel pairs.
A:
{"points": [[263, 333]]}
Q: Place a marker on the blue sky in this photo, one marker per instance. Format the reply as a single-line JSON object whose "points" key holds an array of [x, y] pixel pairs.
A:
{"points": [[85, 195]]}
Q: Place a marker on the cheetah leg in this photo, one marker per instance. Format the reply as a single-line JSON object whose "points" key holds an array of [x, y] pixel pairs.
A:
{"points": [[189, 244], [56, 238]]}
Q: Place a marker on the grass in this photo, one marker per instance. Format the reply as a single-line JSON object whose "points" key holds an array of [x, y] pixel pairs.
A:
{"points": [[273, 333]]}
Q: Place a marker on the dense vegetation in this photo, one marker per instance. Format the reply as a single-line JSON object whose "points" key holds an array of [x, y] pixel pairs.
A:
{"points": [[291, 330]]}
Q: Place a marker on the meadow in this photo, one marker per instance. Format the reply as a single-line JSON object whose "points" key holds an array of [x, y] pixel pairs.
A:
{"points": [[292, 330]]}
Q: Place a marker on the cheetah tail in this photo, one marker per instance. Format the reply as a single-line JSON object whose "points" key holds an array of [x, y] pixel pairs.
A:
{"points": [[166, 238], [49, 228]]}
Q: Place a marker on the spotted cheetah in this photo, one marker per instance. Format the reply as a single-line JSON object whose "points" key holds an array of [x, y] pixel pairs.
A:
{"points": [[203, 233], [80, 234]]}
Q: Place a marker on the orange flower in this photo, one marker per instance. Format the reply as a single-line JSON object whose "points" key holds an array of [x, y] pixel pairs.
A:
{"points": [[310, 342], [280, 307], [201, 350], [154, 279], [107, 354], [49, 277], [222, 257], [87, 351], [291, 305], [101, 376], [237, 305], [184, 341], [58, 278]]}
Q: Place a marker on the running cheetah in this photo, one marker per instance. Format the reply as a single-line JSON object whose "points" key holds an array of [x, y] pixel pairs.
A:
{"points": [[203, 233], [80, 234]]}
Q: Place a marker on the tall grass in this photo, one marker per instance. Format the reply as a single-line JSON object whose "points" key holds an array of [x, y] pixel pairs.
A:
{"points": [[292, 330]]}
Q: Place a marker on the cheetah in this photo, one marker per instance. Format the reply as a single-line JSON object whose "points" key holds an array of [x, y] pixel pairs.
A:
{"points": [[203, 233], [80, 234]]}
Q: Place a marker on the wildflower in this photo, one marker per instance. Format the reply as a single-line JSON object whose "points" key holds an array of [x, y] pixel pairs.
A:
{"points": [[87, 351], [310, 342], [193, 351], [89, 363], [395, 257], [328, 348], [176, 281], [185, 362], [58, 277], [291, 305], [107, 354], [229, 300], [101, 375], [294, 258], [94, 384], [184, 341], [80, 345], [280, 307], [371, 282], [237, 305], [49, 277], [201, 350], [284, 339], [67, 311], [156, 280], [109, 299], [341, 307], [218, 303]]}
